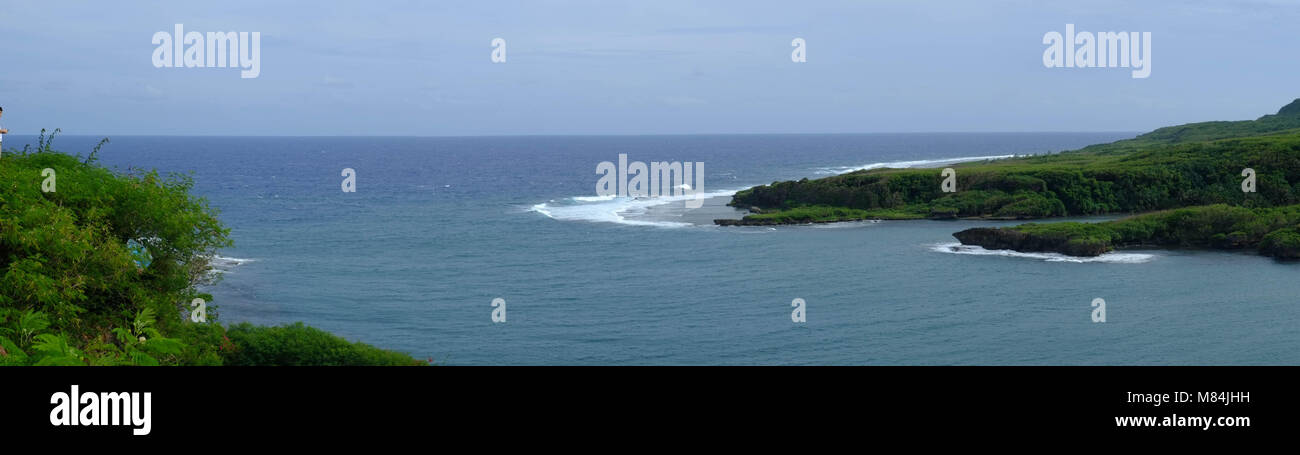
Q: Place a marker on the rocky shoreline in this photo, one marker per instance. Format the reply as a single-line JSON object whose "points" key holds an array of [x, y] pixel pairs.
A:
{"points": [[1009, 239], [1271, 232]]}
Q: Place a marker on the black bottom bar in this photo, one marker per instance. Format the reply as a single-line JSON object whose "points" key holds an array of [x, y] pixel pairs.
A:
{"points": [[447, 403]]}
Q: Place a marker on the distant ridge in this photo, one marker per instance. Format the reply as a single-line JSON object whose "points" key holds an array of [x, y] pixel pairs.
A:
{"points": [[1287, 118], [1290, 109]]}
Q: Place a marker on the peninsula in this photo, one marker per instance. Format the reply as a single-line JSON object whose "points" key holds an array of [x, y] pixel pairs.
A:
{"points": [[1182, 186]]}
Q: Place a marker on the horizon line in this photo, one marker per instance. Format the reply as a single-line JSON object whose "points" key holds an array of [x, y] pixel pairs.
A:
{"points": [[526, 135]]}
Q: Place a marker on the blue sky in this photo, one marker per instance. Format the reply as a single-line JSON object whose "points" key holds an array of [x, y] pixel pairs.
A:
{"points": [[639, 67]]}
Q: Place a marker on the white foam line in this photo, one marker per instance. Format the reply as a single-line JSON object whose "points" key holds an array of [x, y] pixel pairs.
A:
{"points": [[908, 164], [223, 264], [1110, 258], [612, 209], [609, 209], [229, 260]]}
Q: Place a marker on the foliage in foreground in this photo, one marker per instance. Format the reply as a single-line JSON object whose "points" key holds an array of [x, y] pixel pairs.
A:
{"points": [[73, 293], [298, 344]]}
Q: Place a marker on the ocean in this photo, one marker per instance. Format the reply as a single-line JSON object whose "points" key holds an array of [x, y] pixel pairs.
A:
{"points": [[440, 227]]}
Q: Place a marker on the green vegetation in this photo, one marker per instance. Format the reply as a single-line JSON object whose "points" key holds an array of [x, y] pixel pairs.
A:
{"points": [[1188, 165], [1271, 231], [298, 344], [824, 214], [72, 292], [1190, 177]]}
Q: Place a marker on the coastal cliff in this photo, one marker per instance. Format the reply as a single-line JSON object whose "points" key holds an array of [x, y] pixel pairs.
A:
{"points": [[1011, 239], [1273, 232], [1172, 167], [1187, 181]]}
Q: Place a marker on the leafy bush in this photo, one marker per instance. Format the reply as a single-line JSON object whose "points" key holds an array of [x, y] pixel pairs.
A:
{"points": [[72, 292], [1283, 243]]}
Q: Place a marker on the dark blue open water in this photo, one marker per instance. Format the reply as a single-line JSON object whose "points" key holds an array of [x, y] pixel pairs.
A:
{"points": [[439, 227]]}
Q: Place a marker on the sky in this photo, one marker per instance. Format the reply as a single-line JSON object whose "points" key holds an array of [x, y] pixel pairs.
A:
{"points": [[424, 68]]}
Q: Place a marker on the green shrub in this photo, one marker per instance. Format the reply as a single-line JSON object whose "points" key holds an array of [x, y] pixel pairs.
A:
{"points": [[73, 293], [300, 345], [1283, 243]]}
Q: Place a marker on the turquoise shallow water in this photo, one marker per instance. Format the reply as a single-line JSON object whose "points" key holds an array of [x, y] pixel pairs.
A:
{"points": [[439, 227]]}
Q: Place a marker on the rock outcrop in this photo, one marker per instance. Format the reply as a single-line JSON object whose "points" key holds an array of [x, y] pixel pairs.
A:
{"points": [[1008, 239]]}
